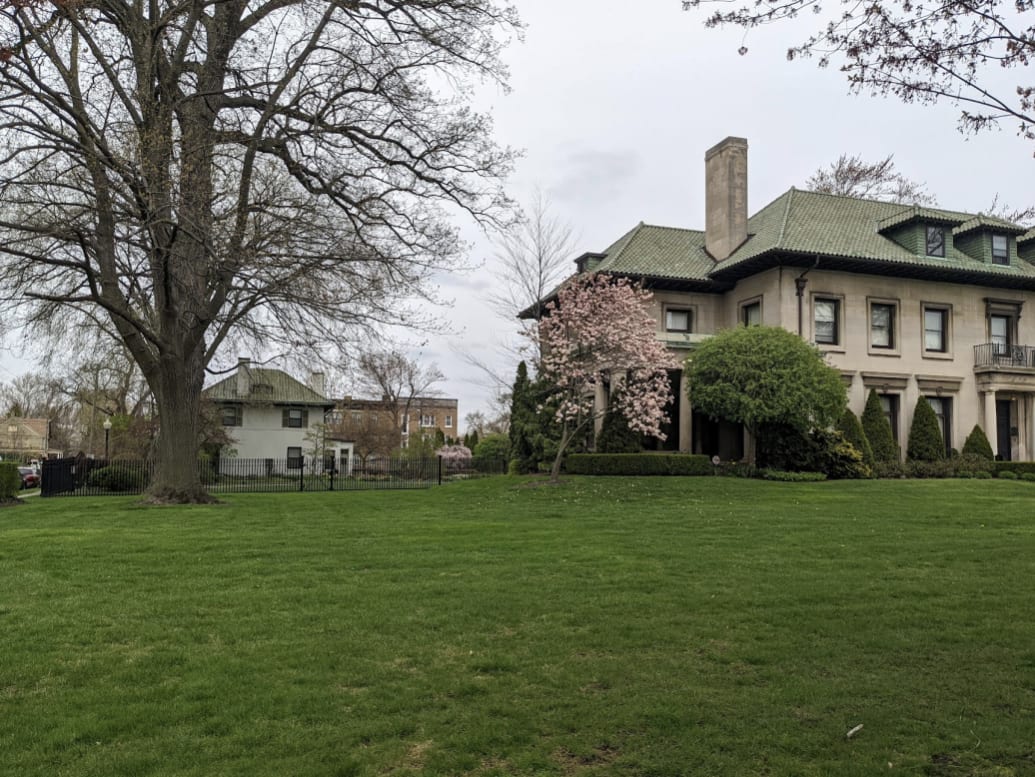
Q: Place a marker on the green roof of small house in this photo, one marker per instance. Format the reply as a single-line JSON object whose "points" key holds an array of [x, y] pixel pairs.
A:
{"points": [[267, 386]]}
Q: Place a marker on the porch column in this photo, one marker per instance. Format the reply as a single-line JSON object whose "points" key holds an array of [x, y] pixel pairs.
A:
{"points": [[685, 416], [990, 427], [1024, 428]]}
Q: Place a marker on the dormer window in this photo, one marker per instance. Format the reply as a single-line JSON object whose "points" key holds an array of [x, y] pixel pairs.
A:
{"points": [[936, 241], [1000, 249]]}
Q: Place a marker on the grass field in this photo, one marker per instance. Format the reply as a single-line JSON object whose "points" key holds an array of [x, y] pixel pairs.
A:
{"points": [[700, 626]]}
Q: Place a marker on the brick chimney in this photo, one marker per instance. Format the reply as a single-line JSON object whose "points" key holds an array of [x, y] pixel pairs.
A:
{"points": [[725, 197], [244, 377]]}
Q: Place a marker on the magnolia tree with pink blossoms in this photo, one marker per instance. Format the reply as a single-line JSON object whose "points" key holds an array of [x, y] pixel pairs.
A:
{"points": [[601, 325]]}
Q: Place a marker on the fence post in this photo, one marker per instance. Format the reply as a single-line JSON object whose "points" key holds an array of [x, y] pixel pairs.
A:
{"points": [[332, 470], [301, 473], [440, 470]]}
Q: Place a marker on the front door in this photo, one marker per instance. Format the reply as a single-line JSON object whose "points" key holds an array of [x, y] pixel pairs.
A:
{"points": [[1002, 427]]}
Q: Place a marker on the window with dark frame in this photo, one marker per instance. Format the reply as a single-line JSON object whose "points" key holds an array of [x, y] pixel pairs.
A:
{"points": [[882, 325], [294, 457], [935, 241], [889, 404], [999, 333], [231, 415], [678, 320], [826, 330], [936, 329], [295, 418], [751, 314], [1000, 249]]}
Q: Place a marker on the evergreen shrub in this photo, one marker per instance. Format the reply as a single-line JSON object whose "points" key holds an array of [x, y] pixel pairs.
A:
{"points": [[925, 437], [10, 480], [878, 431], [1007, 474], [977, 444], [852, 429]]}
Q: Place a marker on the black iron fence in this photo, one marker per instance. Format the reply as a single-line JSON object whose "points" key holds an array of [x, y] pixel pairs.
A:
{"points": [[1001, 355], [97, 477]]}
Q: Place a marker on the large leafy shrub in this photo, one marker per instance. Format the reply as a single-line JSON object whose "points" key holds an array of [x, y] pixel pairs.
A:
{"points": [[493, 446]]}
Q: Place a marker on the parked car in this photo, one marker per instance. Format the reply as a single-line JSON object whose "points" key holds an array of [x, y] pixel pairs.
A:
{"points": [[30, 478]]}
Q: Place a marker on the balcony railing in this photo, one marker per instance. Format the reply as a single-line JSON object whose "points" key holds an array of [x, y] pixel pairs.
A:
{"points": [[999, 355]]}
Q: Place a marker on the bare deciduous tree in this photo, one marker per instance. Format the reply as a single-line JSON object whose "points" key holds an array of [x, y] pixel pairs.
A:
{"points": [[184, 174], [954, 50], [398, 382], [850, 176]]}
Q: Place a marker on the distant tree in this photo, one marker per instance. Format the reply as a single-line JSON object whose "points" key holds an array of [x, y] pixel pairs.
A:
{"points": [[598, 325], [878, 431], [954, 50], [398, 381], [438, 439], [925, 436], [764, 376], [473, 440], [977, 444], [852, 430], [850, 176]]}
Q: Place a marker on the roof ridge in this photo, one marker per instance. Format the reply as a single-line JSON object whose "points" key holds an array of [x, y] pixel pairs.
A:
{"points": [[625, 240], [786, 214], [675, 229]]}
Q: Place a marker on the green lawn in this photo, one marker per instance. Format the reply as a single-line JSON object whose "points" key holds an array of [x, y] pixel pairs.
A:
{"points": [[626, 626]]}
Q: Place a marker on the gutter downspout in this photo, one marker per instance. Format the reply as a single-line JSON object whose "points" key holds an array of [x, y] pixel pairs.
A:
{"points": [[799, 289]]}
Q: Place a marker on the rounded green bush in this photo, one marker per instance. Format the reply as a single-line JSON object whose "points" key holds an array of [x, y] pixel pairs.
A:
{"points": [[116, 477], [1007, 475]]}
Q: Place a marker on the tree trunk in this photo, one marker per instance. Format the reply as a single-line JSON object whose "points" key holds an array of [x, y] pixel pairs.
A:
{"points": [[555, 470], [177, 389]]}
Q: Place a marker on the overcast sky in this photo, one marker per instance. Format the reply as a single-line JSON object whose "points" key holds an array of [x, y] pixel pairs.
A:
{"points": [[614, 109]]}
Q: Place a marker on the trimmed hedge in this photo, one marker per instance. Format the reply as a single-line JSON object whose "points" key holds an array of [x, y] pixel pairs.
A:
{"points": [[793, 477], [1019, 467], [977, 444], [638, 464]]}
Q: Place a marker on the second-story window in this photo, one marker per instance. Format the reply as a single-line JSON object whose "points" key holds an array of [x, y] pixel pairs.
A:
{"points": [[1000, 249], [295, 418], [936, 330], [826, 329], [678, 320], [999, 333]]}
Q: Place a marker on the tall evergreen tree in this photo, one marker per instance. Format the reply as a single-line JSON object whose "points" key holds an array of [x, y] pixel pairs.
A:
{"points": [[878, 431], [925, 437], [523, 422]]}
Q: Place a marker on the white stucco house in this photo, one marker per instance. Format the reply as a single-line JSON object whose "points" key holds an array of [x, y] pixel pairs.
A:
{"points": [[275, 420]]}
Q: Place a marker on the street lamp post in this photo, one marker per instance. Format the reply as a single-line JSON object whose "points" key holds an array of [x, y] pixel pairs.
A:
{"points": [[107, 432]]}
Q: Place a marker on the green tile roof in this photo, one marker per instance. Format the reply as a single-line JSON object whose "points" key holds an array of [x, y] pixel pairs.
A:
{"points": [[809, 224], [988, 222], [268, 386]]}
